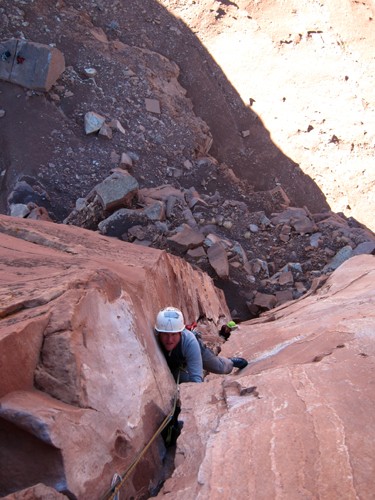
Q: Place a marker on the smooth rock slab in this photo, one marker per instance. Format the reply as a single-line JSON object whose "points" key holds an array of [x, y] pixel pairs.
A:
{"points": [[297, 422]]}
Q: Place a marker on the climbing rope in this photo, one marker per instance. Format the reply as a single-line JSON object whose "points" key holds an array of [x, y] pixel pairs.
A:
{"points": [[120, 479]]}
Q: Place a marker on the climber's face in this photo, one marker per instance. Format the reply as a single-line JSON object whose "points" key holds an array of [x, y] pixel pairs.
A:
{"points": [[169, 340]]}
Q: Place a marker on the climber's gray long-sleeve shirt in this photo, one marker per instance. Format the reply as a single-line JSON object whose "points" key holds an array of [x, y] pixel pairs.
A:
{"points": [[190, 358], [191, 353]]}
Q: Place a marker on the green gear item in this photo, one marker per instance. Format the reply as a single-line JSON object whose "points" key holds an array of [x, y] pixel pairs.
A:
{"points": [[232, 325]]}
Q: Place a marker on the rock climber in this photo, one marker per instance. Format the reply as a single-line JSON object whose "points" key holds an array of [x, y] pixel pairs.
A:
{"points": [[185, 353], [226, 330]]}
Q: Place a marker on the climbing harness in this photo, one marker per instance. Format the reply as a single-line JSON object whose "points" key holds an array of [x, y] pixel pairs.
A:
{"points": [[119, 480]]}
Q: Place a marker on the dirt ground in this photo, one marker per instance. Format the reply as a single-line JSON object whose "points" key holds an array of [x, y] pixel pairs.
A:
{"points": [[306, 69]]}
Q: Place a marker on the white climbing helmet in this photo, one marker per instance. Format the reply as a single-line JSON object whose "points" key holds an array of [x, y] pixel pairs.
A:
{"points": [[169, 320]]}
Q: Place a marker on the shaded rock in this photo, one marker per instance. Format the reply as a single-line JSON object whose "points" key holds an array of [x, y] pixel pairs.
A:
{"points": [[105, 131], [90, 72], [285, 233], [170, 204], [260, 266], [303, 225], [126, 160], [265, 300], [365, 247], [39, 213], [143, 243], [283, 296], [292, 266], [121, 221], [240, 252], [137, 232], [152, 105], [213, 238], [24, 193], [196, 253], [300, 287], [117, 190], [218, 260], [189, 218], [186, 239], [160, 193], [18, 210], [253, 228], [287, 215], [93, 122], [116, 125], [156, 211], [87, 214], [29, 64], [193, 198], [341, 256], [286, 278], [315, 240], [37, 492]]}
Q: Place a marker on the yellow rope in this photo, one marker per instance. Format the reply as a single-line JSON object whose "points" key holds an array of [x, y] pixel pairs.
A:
{"points": [[111, 493]]}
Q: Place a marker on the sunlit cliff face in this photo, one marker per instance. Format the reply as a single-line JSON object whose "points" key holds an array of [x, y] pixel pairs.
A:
{"points": [[308, 76]]}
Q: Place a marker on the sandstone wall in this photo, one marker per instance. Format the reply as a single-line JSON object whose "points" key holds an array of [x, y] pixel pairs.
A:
{"points": [[298, 421], [83, 384]]}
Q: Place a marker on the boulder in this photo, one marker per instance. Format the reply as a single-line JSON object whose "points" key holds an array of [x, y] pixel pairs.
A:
{"points": [[341, 256], [29, 64], [218, 259], [186, 239], [121, 221], [116, 191], [265, 300], [83, 384], [38, 492]]}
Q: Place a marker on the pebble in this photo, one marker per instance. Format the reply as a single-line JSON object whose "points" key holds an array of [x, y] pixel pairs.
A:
{"points": [[2, 113], [90, 72]]}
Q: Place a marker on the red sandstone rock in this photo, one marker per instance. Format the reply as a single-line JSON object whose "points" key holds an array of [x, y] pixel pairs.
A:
{"points": [[37, 492], [186, 239], [298, 421], [83, 383]]}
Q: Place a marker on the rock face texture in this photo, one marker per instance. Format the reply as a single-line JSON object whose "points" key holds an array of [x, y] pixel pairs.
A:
{"points": [[83, 384], [298, 421]]}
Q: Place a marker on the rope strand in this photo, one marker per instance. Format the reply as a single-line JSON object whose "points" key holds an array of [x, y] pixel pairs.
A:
{"points": [[111, 493]]}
